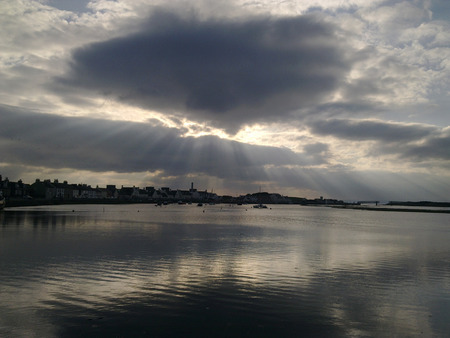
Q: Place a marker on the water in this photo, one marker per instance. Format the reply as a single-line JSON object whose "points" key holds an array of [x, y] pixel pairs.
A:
{"points": [[289, 271]]}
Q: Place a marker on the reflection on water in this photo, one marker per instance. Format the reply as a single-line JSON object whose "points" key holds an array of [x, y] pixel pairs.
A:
{"points": [[138, 270]]}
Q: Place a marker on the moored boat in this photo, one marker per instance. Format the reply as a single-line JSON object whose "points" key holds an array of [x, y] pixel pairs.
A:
{"points": [[260, 206]]}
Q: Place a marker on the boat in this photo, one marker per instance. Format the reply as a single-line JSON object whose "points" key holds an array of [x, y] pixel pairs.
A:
{"points": [[260, 206], [200, 204]]}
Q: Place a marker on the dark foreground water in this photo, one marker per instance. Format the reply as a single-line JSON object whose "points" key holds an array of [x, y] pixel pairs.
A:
{"points": [[289, 271]]}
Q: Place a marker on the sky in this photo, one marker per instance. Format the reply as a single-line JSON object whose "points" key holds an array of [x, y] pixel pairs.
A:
{"points": [[346, 99]]}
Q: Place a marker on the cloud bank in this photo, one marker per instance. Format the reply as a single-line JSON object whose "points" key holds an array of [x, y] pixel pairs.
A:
{"points": [[100, 146], [227, 73]]}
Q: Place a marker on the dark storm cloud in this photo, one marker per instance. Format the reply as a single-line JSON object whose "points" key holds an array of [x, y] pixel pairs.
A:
{"points": [[364, 130], [227, 73], [98, 145]]}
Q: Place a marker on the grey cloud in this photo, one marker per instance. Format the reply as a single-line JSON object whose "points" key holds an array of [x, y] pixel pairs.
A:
{"points": [[363, 130], [356, 184], [56, 142], [99, 145], [227, 73], [354, 108], [316, 148], [413, 142], [435, 147], [318, 152]]}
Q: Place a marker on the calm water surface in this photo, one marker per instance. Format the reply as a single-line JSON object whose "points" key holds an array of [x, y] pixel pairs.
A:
{"points": [[289, 271]]}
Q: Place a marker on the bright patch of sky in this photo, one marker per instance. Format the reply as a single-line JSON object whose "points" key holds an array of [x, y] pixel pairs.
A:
{"points": [[78, 6]]}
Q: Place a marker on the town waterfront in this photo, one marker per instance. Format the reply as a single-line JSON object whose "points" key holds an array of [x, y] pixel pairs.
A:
{"points": [[222, 270]]}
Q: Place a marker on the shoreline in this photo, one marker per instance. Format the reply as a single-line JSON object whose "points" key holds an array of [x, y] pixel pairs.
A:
{"points": [[359, 207], [44, 202]]}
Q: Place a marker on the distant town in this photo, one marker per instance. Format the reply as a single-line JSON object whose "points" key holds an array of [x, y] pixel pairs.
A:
{"points": [[53, 192], [48, 192]]}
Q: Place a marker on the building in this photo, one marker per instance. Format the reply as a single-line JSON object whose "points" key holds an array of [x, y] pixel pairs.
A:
{"points": [[43, 189]]}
